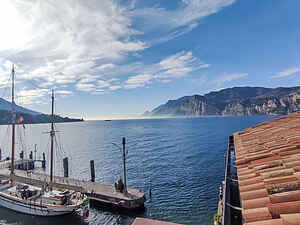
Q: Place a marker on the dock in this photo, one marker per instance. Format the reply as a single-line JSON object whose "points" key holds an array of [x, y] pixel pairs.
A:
{"points": [[99, 193], [267, 164]]}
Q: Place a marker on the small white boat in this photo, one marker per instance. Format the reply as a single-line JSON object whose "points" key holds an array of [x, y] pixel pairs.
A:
{"points": [[45, 201]]}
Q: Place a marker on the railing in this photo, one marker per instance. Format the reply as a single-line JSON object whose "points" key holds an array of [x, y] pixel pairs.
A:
{"points": [[226, 217]]}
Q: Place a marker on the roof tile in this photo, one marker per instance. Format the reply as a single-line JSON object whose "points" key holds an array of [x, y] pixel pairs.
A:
{"points": [[268, 167]]}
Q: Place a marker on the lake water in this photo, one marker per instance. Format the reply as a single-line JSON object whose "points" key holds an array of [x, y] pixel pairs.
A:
{"points": [[183, 158]]}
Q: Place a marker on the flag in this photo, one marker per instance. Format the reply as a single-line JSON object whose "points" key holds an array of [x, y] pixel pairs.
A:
{"points": [[21, 119]]}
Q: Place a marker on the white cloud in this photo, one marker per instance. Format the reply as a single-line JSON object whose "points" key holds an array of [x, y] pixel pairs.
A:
{"points": [[98, 92], [85, 87], [138, 81], [90, 84], [31, 96], [86, 78], [287, 72], [171, 67], [61, 41], [197, 9], [27, 96], [85, 44], [63, 92], [230, 77], [104, 67], [103, 84], [177, 65], [169, 24], [174, 66], [115, 87]]}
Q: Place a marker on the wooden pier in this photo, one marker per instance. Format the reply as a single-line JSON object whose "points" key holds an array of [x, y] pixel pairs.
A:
{"points": [[99, 193]]}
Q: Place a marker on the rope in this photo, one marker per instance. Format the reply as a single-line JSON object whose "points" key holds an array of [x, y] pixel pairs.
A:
{"points": [[231, 179], [234, 207]]}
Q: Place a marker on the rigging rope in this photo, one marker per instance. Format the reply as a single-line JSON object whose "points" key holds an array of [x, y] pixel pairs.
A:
{"points": [[6, 87], [7, 134]]}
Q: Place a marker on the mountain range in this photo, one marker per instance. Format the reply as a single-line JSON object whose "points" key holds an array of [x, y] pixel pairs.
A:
{"points": [[28, 115], [234, 101]]}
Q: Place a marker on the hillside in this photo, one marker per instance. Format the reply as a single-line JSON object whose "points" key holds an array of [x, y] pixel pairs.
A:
{"points": [[234, 101], [29, 116]]}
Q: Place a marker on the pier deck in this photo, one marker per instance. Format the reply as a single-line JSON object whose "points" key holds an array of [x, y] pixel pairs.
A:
{"points": [[101, 193]]}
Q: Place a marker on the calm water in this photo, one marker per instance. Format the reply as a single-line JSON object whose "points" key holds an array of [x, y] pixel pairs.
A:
{"points": [[184, 158]]}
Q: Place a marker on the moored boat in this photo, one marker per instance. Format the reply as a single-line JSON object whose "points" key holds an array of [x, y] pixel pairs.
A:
{"points": [[39, 201]]}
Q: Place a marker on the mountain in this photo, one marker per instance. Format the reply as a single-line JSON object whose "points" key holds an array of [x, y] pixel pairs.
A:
{"points": [[28, 115], [234, 101], [5, 105]]}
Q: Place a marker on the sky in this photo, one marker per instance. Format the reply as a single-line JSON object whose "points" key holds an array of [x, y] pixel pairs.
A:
{"points": [[119, 58]]}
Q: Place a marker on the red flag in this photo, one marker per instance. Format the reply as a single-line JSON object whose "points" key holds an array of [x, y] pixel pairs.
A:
{"points": [[21, 119]]}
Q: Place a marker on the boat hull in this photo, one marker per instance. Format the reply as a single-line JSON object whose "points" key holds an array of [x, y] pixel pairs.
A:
{"points": [[33, 208]]}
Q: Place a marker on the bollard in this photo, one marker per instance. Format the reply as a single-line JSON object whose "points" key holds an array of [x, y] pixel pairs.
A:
{"points": [[44, 161], [92, 170], [66, 167], [35, 152], [22, 155]]}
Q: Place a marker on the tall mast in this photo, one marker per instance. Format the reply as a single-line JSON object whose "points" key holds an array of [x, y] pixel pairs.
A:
{"points": [[52, 133], [13, 122]]}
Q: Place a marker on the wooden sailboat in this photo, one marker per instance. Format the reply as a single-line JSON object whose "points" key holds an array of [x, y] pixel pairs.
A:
{"points": [[32, 199]]}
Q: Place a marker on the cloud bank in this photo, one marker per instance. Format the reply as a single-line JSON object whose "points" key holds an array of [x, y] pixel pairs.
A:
{"points": [[75, 45]]}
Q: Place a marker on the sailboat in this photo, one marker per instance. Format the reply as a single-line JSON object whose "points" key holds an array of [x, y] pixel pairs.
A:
{"points": [[35, 200]]}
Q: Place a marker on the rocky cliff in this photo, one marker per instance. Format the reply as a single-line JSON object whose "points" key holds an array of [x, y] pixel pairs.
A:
{"points": [[234, 101]]}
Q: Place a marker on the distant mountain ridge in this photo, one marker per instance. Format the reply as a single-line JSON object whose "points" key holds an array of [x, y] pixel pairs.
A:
{"points": [[234, 101], [29, 116], [5, 105]]}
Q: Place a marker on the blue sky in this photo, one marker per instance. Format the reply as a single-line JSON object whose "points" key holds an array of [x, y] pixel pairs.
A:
{"points": [[117, 59]]}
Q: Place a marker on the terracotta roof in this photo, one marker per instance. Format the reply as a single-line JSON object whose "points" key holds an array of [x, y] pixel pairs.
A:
{"points": [[143, 221], [268, 168]]}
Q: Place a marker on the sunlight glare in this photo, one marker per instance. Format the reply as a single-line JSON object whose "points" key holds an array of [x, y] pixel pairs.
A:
{"points": [[14, 32]]}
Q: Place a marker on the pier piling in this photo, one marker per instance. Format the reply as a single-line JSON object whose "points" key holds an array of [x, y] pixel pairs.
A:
{"points": [[124, 164], [44, 161], [92, 170], [66, 167], [35, 151]]}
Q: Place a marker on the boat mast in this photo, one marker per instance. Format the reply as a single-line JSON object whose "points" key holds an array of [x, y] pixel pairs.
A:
{"points": [[13, 122], [52, 133]]}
